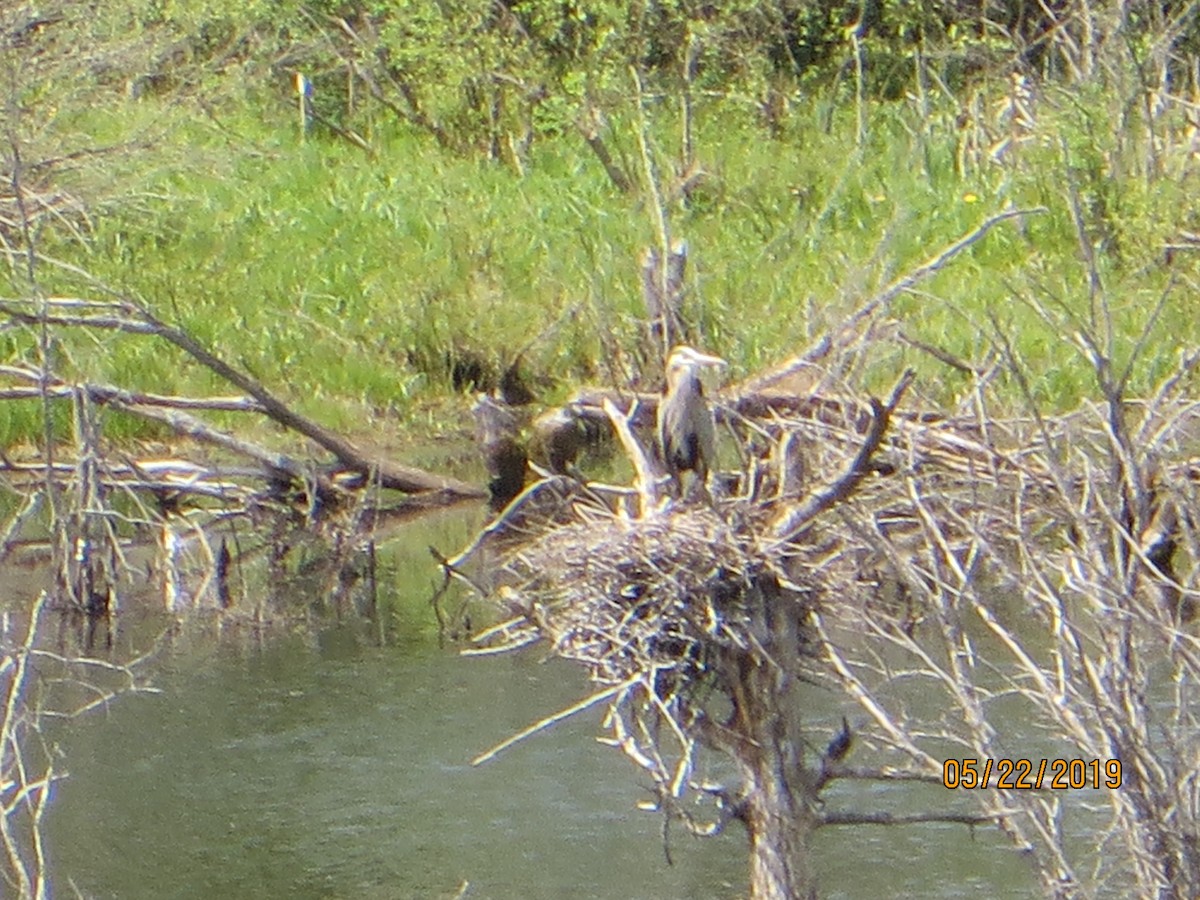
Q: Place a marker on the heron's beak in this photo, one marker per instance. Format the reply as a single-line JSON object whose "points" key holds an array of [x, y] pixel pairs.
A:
{"points": [[694, 357], [703, 359], [711, 369]]}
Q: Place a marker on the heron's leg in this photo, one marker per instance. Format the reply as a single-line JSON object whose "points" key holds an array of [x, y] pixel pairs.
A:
{"points": [[675, 485], [696, 489]]}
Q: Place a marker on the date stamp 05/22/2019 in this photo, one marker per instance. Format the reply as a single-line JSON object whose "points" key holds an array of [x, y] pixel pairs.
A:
{"points": [[1031, 774]]}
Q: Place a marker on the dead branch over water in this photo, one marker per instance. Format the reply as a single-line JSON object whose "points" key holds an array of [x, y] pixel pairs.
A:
{"points": [[106, 502], [928, 568], [132, 318]]}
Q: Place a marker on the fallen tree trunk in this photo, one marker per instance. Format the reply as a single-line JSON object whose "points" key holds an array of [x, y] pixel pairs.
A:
{"points": [[120, 317]]}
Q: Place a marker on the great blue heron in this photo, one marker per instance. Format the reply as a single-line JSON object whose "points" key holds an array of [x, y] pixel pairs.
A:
{"points": [[685, 423]]}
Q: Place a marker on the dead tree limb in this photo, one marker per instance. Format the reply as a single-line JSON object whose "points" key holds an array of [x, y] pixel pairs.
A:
{"points": [[886, 818], [387, 474], [840, 337], [588, 126], [103, 393], [793, 519], [276, 464]]}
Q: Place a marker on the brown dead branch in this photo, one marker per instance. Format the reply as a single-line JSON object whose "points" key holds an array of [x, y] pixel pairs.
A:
{"points": [[214, 484], [102, 393], [133, 318], [786, 528], [884, 818], [277, 465], [588, 126]]}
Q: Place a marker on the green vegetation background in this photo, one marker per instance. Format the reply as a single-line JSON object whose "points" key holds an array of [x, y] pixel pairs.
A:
{"points": [[442, 211]]}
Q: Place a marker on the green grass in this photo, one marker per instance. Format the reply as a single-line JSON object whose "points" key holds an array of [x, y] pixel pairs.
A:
{"points": [[345, 282]]}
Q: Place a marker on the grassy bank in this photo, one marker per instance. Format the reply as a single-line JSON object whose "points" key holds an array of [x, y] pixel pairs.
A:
{"points": [[351, 283]]}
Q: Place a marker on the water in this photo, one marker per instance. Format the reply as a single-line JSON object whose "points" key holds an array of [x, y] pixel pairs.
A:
{"points": [[322, 765], [340, 770], [344, 771]]}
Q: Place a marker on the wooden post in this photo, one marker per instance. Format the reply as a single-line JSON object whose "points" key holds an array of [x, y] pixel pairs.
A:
{"points": [[304, 101]]}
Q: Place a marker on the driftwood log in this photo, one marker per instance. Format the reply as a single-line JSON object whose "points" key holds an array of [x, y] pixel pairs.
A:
{"points": [[129, 317], [107, 506]]}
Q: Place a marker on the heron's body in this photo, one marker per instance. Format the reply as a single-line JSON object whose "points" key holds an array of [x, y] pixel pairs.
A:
{"points": [[685, 424]]}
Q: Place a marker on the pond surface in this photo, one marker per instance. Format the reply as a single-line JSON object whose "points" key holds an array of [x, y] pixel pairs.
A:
{"points": [[321, 766], [344, 772]]}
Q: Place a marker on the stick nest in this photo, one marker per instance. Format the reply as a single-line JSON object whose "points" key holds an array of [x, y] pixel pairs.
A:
{"points": [[628, 596]]}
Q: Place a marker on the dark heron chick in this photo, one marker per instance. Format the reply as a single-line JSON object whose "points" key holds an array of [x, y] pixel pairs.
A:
{"points": [[840, 745], [685, 423], [496, 432]]}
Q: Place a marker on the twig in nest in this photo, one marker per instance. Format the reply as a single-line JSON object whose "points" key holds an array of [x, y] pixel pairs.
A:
{"points": [[646, 482], [503, 521]]}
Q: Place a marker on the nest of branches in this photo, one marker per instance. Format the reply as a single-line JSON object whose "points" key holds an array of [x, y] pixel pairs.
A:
{"points": [[661, 596], [850, 509]]}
